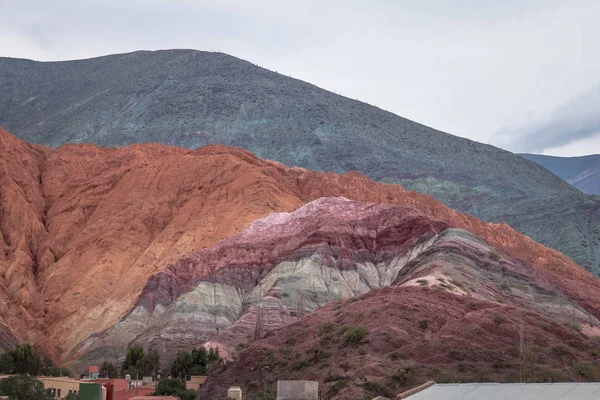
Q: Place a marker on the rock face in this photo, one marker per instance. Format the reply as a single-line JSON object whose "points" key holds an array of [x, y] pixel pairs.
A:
{"points": [[191, 98], [581, 172], [280, 267], [395, 338], [84, 228], [288, 265]]}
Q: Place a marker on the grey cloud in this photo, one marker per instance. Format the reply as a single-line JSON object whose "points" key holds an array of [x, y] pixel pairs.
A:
{"points": [[460, 66], [577, 119]]}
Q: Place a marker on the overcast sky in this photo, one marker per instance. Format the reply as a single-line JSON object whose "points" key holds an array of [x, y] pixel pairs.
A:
{"points": [[522, 75]]}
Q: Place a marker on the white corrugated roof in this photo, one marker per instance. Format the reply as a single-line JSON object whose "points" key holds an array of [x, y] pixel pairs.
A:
{"points": [[511, 391]]}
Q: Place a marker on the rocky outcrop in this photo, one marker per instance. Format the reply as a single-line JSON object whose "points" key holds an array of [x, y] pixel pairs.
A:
{"points": [[288, 265], [393, 339], [84, 228], [192, 98]]}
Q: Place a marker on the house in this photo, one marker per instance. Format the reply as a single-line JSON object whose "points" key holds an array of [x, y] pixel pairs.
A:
{"points": [[93, 372], [195, 382], [154, 398], [513, 391], [60, 387]]}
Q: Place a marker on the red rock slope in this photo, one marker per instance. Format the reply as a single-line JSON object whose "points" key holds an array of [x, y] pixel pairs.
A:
{"points": [[84, 227]]}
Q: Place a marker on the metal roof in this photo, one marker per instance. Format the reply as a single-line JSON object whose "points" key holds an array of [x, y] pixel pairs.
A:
{"points": [[510, 391]]}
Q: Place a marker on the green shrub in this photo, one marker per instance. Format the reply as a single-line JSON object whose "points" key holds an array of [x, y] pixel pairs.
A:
{"points": [[266, 395], [561, 351], [423, 282], [424, 324], [377, 389], [405, 375], [576, 327], [498, 319], [586, 370], [354, 336], [442, 376], [299, 365]]}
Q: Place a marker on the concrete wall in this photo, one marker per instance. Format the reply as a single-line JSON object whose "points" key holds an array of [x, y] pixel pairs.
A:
{"points": [[297, 390], [60, 387]]}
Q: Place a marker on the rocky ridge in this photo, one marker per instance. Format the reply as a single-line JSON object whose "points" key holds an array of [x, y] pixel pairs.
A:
{"points": [[287, 265], [192, 98], [85, 227]]}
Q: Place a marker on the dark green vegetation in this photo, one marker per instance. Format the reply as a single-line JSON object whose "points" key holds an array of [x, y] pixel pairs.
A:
{"points": [[581, 172], [174, 387], [26, 359], [23, 387], [198, 362], [191, 98], [139, 363], [108, 370]]}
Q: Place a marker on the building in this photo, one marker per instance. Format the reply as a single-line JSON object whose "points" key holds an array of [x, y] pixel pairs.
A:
{"points": [[119, 385], [60, 386], [92, 391], [93, 372], [501, 391], [195, 382], [154, 398], [131, 393]]}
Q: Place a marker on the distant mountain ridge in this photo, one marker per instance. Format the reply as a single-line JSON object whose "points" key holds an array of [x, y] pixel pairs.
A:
{"points": [[581, 172], [191, 98]]}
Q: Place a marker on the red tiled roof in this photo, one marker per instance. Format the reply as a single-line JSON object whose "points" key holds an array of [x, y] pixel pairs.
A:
{"points": [[131, 393]]}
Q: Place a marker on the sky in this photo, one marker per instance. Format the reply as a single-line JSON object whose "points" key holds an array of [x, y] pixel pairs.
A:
{"points": [[521, 75]]}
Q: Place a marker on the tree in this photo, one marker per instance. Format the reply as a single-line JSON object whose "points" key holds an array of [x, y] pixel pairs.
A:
{"points": [[134, 360], [23, 359], [151, 362], [23, 387], [182, 365], [174, 387], [139, 363], [72, 396], [198, 362], [108, 370], [199, 357], [213, 359]]}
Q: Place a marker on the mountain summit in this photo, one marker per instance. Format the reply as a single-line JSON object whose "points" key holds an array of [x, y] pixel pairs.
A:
{"points": [[192, 98]]}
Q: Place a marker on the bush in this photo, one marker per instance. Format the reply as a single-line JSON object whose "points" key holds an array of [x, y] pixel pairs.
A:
{"points": [[576, 327], [404, 375], [424, 324], [325, 333], [585, 370], [174, 387], [299, 365], [423, 282], [498, 319], [355, 335], [561, 351], [266, 395], [442, 376], [377, 389], [23, 387]]}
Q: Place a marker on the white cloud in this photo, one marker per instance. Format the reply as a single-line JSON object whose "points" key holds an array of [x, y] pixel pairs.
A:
{"points": [[579, 147]]}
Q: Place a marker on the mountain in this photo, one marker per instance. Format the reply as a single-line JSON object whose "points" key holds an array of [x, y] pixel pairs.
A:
{"points": [[85, 229], [581, 172], [393, 339], [288, 265], [191, 98]]}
